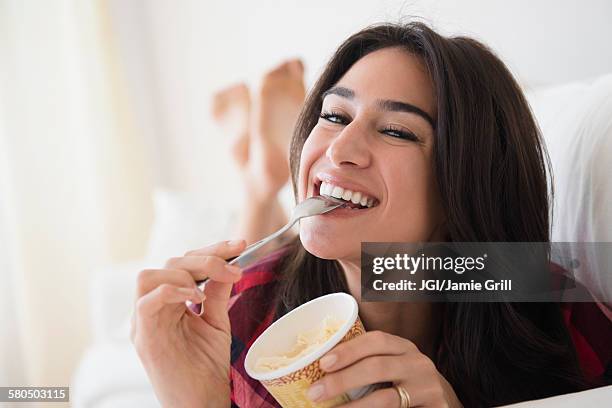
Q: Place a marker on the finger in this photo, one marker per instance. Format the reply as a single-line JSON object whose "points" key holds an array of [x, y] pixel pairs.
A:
{"points": [[215, 306], [368, 344], [223, 249], [206, 266], [149, 279], [425, 395], [387, 397], [370, 370], [133, 326], [165, 294], [218, 293]]}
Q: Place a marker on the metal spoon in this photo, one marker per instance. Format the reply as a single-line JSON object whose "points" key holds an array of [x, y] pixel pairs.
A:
{"points": [[311, 206], [307, 208]]}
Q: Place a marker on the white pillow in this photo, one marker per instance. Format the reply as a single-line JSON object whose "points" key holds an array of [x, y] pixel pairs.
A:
{"points": [[184, 221], [576, 122]]}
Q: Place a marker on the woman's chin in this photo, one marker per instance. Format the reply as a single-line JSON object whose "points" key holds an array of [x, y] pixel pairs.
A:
{"points": [[325, 246]]}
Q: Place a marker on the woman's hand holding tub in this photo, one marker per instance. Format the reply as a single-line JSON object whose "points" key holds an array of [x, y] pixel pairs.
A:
{"points": [[187, 357], [379, 357]]}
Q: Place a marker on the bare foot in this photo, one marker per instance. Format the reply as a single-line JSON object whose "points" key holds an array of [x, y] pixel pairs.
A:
{"points": [[276, 106], [231, 109]]}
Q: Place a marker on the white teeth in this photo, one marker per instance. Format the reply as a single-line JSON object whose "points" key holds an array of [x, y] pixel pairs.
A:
{"points": [[345, 194], [337, 192], [325, 188]]}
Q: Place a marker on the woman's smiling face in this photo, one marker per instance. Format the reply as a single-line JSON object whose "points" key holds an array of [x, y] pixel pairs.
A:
{"points": [[374, 137]]}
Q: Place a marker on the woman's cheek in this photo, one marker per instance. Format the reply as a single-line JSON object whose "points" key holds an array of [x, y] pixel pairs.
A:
{"points": [[305, 165], [409, 215], [312, 151]]}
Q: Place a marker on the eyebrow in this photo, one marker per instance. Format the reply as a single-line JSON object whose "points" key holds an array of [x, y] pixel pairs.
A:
{"points": [[384, 104]]}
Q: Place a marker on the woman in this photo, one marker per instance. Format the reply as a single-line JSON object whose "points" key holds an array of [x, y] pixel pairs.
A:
{"points": [[438, 136]]}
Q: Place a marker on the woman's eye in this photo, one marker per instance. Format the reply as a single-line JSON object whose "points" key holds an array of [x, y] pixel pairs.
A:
{"points": [[400, 134], [334, 117], [397, 133]]}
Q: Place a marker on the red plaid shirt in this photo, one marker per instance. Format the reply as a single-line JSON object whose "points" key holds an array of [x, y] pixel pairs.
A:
{"points": [[252, 311]]}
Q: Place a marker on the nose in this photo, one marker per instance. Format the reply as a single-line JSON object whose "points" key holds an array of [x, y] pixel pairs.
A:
{"points": [[350, 147]]}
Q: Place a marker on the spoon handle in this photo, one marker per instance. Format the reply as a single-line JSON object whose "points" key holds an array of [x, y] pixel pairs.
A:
{"points": [[242, 259]]}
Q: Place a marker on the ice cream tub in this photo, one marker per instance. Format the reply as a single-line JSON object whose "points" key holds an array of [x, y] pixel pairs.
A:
{"points": [[285, 357]]}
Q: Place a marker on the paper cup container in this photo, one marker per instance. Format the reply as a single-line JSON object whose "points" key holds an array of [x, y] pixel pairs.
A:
{"points": [[289, 384]]}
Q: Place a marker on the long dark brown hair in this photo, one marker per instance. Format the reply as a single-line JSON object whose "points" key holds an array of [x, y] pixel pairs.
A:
{"points": [[491, 171]]}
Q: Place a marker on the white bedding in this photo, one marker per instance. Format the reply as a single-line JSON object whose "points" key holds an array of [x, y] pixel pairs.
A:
{"points": [[576, 122], [599, 397]]}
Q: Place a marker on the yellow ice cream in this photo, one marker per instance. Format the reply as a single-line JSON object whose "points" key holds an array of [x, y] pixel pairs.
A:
{"points": [[306, 343]]}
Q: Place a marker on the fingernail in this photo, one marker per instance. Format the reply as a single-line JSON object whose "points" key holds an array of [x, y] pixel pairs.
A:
{"points": [[195, 308], [327, 361], [234, 269], [315, 392], [234, 242]]}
